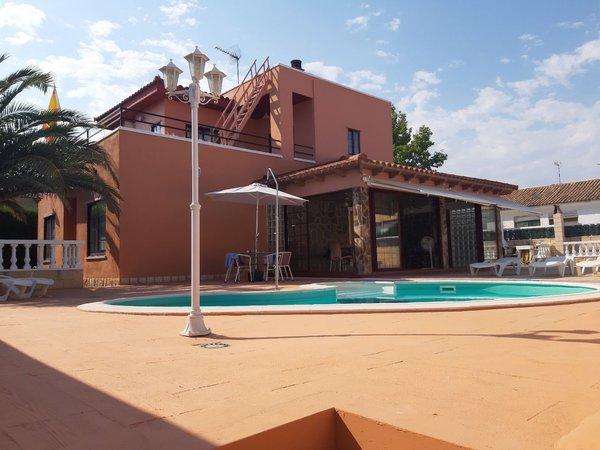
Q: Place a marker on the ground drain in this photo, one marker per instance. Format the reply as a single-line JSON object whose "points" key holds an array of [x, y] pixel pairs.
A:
{"points": [[213, 345]]}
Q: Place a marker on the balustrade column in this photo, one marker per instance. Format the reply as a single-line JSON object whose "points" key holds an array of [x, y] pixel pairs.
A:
{"points": [[27, 260], [52, 256], [13, 257]]}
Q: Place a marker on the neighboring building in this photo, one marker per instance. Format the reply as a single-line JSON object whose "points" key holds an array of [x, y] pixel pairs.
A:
{"points": [[325, 141], [578, 201]]}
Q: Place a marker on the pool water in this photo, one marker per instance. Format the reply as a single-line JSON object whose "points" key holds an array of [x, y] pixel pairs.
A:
{"points": [[369, 292]]}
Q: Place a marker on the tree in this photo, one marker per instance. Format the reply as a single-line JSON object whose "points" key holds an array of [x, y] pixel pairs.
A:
{"points": [[413, 149], [46, 152]]}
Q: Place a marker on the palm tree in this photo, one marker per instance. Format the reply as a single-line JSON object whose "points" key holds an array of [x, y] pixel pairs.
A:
{"points": [[46, 152]]}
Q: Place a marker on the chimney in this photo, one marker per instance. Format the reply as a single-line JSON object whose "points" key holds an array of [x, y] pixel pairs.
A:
{"points": [[297, 64]]}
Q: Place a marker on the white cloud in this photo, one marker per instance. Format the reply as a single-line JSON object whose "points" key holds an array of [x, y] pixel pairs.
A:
{"points": [[102, 73], [394, 24], [21, 16], [505, 60], [571, 25], [559, 68], [102, 28], [507, 135], [177, 11], [358, 23], [386, 55], [319, 68], [169, 42], [24, 18], [530, 40], [366, 80]]}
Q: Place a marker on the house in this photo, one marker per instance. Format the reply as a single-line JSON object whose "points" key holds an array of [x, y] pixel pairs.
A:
{"points": [[578, 202], [325, 141]]}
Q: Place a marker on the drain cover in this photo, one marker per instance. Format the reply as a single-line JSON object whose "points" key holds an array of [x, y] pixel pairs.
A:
{"points": [[212, 345]]}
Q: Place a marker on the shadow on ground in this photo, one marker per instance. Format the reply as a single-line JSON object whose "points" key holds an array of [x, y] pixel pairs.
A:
{"points": [[41, 407], [542, 335]]}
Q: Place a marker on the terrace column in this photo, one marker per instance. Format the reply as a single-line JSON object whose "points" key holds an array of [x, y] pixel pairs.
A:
{"points": [[361, 233], [559, 229]]}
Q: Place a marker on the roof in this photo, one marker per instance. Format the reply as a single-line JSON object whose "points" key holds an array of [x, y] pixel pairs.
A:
{"points": [[552, 194], [361, 161], [144, 96], [156, 85]]}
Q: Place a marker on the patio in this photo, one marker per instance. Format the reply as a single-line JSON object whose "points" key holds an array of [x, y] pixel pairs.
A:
{"points": [[508, 378]]}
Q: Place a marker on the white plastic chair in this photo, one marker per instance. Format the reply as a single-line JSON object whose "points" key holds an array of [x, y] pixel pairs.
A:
{"points": [[593, 264], [6, 286], [270, 265], [284, 264], [559, 262], [243, 263]]}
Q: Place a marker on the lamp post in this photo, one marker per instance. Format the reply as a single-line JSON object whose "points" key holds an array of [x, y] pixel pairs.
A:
{"points": [[195, 97]]}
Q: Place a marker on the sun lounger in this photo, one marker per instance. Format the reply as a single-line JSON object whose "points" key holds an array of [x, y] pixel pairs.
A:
{"points": [[558, 262], [593, 264], [20, 288], [498, 266]]}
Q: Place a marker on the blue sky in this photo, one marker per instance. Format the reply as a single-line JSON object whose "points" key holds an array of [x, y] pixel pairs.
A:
{"points": [[507, 87]]}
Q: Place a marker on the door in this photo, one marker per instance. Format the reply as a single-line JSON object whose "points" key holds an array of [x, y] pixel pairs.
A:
{"points": [[462, 233]]}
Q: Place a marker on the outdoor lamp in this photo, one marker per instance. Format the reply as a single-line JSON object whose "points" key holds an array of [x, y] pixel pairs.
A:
{"points": [[196, 60], [215, 81], [171, 73]]}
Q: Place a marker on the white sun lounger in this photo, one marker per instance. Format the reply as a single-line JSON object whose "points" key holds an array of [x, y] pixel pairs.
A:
{"points": [[593, 264], [498, 266], [19, 288], [560, 262]]}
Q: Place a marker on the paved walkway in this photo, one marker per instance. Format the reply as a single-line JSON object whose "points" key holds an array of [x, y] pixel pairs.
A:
{"points": [[496, 379]]}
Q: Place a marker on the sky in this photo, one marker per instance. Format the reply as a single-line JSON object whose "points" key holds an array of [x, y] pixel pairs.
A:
{"points": [[508, 87]]}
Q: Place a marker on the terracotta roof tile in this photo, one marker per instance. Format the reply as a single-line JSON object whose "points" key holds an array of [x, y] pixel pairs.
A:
{"points": [[552, 194], [362, 159]]}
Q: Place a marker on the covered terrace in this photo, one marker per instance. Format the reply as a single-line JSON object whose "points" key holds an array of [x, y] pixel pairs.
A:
{"points": [[366, 216]]}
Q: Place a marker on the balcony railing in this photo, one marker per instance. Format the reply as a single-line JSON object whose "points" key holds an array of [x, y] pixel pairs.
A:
{"points": [[173, 126], [39, 254], [582, 249], [304, 152]]}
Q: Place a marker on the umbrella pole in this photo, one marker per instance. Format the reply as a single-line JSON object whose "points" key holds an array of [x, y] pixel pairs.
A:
{"points": [[270, 172]]}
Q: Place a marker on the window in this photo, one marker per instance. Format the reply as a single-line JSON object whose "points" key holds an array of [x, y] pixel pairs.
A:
{"points": [[353, 142], [96, 237], [49, 233]]}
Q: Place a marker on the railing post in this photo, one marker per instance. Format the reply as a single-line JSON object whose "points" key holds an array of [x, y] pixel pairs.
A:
{"points": [[77, 255], [65, 255], [270, 143], [52, 256], [27, 260], [40, 255], [121, 116], [13, 257]]}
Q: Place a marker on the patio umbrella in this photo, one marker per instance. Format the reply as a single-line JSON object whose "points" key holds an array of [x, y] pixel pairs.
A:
{"points": [[258, 194]]}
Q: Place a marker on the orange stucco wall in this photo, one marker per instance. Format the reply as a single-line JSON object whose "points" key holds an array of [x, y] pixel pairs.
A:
{"points": [[151, 235]]}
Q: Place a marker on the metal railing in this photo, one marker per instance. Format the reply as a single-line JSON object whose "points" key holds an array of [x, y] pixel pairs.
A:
{"points": [[40, 254], [174, 126]]}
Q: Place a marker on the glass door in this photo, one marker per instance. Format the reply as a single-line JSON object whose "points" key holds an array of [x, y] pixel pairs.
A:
{"points": [[419, 231], [387, 228]]}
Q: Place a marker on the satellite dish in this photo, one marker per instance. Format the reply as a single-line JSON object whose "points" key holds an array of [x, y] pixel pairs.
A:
{"points": [[427, 244]]}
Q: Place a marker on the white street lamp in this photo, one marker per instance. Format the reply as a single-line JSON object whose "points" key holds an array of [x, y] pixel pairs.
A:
{"points": [[195, 97]]}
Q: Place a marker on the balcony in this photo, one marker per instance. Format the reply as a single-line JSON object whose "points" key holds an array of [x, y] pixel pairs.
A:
{"points": [[172, 126]]}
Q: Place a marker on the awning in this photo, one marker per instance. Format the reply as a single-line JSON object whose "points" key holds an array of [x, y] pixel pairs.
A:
{"points": [[470, 197]]}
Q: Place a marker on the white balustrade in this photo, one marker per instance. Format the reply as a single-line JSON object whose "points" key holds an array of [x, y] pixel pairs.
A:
{"points": [[20, 254], [582, 249]]}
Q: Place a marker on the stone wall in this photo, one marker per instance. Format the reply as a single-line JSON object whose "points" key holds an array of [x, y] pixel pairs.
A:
{"points": [[361, 233]]}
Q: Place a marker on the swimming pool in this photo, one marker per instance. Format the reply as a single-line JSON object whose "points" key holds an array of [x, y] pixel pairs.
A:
{"points": [[365, 295]]}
